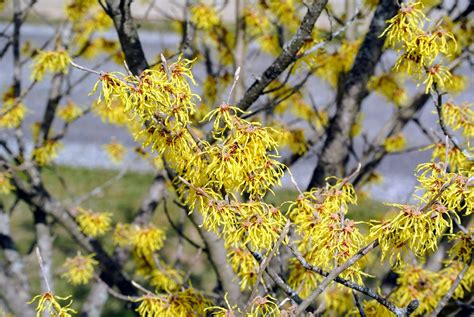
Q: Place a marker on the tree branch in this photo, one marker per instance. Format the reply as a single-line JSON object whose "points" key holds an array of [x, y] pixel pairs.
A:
{"points": [[287, 56], [119, 11], [350, 95]]}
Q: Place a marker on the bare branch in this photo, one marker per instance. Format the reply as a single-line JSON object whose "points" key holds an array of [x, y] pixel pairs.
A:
{"points": [[287, 57], [451, 290]]}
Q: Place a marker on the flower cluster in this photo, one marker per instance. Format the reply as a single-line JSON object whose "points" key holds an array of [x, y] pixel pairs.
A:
{"points": [[245, 265], [12, 114], [47, 152], [459, 117], [5, 186], [421, 50], [48, 303], [79, 269], [329, 66], [94, 224], [428, 287], [188, 302], [390, 86], [69, 112], [204, 17], [328, 237], [395, 143], [116, 151], [50, 61]]}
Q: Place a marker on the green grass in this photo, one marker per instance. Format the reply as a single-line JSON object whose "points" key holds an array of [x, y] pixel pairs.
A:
{"points": [[123, 198]]}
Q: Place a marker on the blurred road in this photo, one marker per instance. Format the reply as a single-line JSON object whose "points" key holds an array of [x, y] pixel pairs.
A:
{"points": [[85, 138]]}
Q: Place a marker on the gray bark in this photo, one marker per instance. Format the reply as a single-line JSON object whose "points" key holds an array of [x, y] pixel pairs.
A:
{"points": [[287, 57], [119, 11], [351, 92]]}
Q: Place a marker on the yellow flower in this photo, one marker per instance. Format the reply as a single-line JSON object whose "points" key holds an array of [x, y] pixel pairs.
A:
{"points": [[113, 113], [463, 247], [285, 11], [329, 66], [302, 279], [116, 151], [459, 117], [264, 306], [5, 186], [257, 224], [411, 228], [183, 303], [35, 130], [77, 9], [372, 308], [166, 278], [12, 115], [94, 224], [49, 303], [436, 75], [245, 265], [52, 62], [457, 84], [148, 240], [256, 22], [390, 86], [46, 153], [358, 125], [204, 17], [69, 112], [406, 24], [123, 235], [339, 299], [395, 143], [80, 269]]}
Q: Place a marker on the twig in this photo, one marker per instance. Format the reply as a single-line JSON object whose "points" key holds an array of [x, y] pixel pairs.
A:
{"points": [[279, 281], [451, 290], [266, 262], [335, 34], [293, 181], [85, 69], [236, 79], [360, 288], [43, 271], [179, 231], [438, 102], [99, 189], [334, 273], [358, 304]]}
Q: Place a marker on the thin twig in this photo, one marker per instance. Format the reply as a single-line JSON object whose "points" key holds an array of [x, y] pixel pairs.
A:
{"points": [[85, 69], [451, 290], [279, 281], [266, 262], [352, 285], [43, 271], [334, 273], [179, 231], [335, 34], [358, 304]]}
